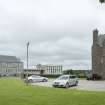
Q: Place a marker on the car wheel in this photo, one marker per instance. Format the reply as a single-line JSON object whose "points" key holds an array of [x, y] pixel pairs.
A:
{"points": [[67, 85], [30, 81], [76, 83], [44, 80]]}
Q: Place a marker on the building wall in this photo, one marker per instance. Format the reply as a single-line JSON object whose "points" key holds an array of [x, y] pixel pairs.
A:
{"points": [[32, 72], [51, 69], [103, 63], [96, 59], [11, 68], [98, 56]]}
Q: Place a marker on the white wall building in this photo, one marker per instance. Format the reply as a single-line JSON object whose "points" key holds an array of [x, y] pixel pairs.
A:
{"points": [[32, 72], [50, 69], [10, 65]]}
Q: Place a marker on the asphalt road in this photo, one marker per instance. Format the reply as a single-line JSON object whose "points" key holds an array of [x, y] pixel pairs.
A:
{"points": [[83, 85]]}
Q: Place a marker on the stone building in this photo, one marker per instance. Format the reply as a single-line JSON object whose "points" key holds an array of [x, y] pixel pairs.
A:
{"points": [[10, 65], [50, 69], [98, 54]]}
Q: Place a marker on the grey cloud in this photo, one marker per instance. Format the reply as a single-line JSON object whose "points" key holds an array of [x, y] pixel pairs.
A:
{"points": [[59, 31]]}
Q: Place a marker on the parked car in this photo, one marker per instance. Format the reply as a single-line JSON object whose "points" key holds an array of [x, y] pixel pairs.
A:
{"points": [[35, 78], [66, 81], [93, 77]]}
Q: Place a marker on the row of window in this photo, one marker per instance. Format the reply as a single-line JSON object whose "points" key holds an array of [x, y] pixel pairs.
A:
{"points": [[54, 71], [10, 70], [14, 65], [54, 67]]}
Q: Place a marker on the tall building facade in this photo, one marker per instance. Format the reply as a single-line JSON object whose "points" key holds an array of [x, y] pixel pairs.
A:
{"points": [[10, 65], [98, 54], [50, 69]]}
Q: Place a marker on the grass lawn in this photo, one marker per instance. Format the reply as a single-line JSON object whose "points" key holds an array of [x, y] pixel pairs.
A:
{"points": [[14, 92]]}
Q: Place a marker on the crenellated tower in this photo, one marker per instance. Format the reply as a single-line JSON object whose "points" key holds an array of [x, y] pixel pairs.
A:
{"points": [[98, 54]]}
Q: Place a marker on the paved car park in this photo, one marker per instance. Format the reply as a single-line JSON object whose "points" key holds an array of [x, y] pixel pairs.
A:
{"points": [[91, 85], [83, 85]]}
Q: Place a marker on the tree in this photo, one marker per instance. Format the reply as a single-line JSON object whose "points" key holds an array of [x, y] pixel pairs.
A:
{"points": [[69, 72]]}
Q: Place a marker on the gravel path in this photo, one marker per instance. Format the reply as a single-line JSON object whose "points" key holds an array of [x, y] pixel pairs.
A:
{"points": [[83, 85]]}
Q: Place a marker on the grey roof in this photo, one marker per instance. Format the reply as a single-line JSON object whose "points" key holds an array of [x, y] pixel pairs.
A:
{"points": [[101, 40], [6, 58]]}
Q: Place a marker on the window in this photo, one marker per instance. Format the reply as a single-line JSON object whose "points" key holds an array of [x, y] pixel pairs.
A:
{"points": [[72, 77]]}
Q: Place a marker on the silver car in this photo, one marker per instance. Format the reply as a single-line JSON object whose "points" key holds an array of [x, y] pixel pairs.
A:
{"points": [[66, 81], [35, 78]]}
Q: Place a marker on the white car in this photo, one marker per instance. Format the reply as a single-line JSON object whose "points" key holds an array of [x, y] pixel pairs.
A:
{"points": [[35, 78], [66, 81]]}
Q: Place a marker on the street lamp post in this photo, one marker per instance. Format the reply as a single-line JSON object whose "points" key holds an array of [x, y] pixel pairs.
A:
{"points": [[27, 54], [27, 64]]}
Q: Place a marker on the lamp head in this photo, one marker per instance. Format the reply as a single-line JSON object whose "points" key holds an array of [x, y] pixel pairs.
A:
{"points": [[102, 1]]}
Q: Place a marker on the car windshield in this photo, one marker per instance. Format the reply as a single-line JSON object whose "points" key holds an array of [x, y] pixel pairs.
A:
{"points": [[63, 78]]}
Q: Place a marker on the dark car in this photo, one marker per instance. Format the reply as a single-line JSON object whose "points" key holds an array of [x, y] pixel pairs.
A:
{"points": [[93, 77]]}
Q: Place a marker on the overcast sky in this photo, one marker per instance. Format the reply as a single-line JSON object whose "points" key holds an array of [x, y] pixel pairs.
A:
{"points": [[59, 31]]}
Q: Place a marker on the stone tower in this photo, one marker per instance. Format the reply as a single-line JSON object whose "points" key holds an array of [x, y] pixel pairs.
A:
{"points": [[98, 54]]}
